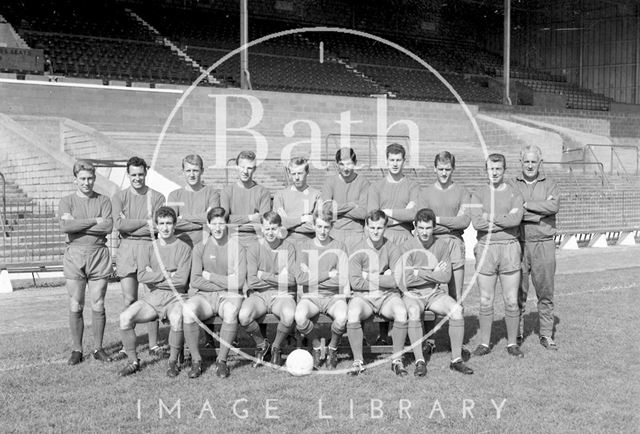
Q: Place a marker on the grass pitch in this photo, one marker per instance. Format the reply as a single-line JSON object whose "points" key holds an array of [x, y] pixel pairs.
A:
{"points": [[590, 384]]}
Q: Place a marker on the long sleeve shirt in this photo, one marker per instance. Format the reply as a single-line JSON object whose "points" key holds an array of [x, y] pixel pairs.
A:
{"points": [[320, 260], [271, 262], [292, 204], [507, 213], [226, 265], [375, 262], [83, 229], [191, 207], [176, 259], [241, 202], [395, 196], [449, 206], [132, 212], [542, 202], [419, 262], [351, 199]]}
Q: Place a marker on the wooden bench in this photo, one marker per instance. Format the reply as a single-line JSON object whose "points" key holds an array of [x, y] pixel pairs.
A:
{"points": [[322, 320], [32, 268]]}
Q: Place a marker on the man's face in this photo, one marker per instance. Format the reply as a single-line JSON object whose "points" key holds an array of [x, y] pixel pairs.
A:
{"points": [[530, 165], [322, 229], [85, 181], [246, 169], [395, 163], [218, 227], [443, 172], [375, 230], [495, 171], [298, 176], [192, 174], [424, 230], [270, 231], [166, 227], [346, 168], [137, 176]]}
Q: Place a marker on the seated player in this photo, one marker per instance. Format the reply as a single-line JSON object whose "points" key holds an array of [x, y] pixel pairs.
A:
{"points": [[133, 208], [85, 218], [497, 252], [218, 271], [192, 202], [325, 279], [374, 291], [297, 203], [425, 267], [166, 273], [271, 288], [349, 191], [245, 200]]}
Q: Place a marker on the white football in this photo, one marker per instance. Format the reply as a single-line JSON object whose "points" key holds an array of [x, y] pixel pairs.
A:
{"points": [[299, 362]]}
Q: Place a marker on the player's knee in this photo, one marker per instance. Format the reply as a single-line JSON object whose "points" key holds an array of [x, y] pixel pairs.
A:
{"points": [[245, 316], [74, 306], [229, 313], [510, 304], [126, 320], [287, 316], [400, 313], [189, 313], [301, 314], [456, 312], [175, 319], [98, 305], [486, 300], [353, 314], [414, 312]]}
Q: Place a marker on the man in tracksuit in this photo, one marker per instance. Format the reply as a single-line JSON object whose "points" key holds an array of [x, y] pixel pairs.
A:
{"points": [[541, 203]]}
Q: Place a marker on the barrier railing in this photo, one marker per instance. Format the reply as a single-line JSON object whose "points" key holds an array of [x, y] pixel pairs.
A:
{"points": [[4, 206], [604, 180], [613, 152]]}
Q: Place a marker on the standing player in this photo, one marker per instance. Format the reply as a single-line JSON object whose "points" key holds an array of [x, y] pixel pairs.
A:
{"points": [[397, 196], [245, 200], [85, 218], [325, 286], [349, 191], [497, 252], [133, 210], [426, 265], [192, 202], [272, 287], [165, 269], [541, 204], [297, 203], [448, 200], [218, 271], [375, 291]]}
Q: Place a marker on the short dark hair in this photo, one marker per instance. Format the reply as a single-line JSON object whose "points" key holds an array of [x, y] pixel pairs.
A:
{"points": [[217, 211], [445, 157], [83, 165], [324, 214], [342, 153], [271, 217], [495, 158], [298, 161], [166, 211], [246, 155], [375, 215], [396, 148], [137, 162], [425, 215]]}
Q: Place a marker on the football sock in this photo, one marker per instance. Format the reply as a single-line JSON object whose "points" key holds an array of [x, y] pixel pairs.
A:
{"points": [[486, 321], [152, 329], [129, 343], [512, 320], [456, 335], [228, 333], [76, 325], [192, 337], [415, 334], [98, 321], [281, 333], [176, 342], [399, 335], [336, 335], [355, 335], [253, 330], [309, 330]]}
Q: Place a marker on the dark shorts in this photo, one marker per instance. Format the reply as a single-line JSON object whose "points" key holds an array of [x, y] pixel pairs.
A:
{"points": [[163, 301], [324, 303], [91, 262], [501, 257], [424, 297], [128, 254], [215, 299]]}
